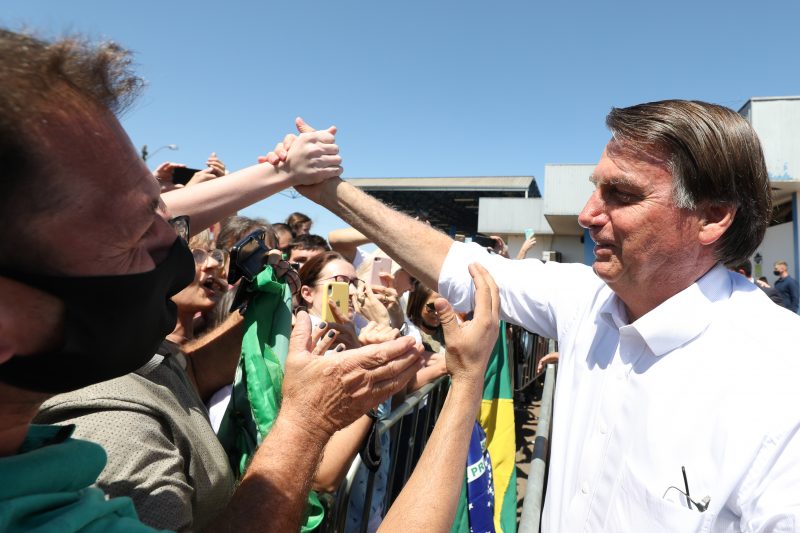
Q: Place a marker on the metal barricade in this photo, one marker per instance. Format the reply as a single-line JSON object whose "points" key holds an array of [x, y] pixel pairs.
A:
{"points": [[404, 453], [537, 475], [527, 349]]}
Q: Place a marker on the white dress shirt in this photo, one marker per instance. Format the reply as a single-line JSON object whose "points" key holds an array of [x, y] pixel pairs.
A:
{"points": [[709, 380]]}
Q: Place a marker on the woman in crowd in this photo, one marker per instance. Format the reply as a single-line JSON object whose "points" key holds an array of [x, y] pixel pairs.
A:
{"points": [[345, 444], [423, 314]]}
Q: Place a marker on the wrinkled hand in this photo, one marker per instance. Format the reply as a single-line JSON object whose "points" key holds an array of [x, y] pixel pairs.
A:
{"points": [[374, 333], [470, 344], [323, 394], [367, 304], [309, 158]]}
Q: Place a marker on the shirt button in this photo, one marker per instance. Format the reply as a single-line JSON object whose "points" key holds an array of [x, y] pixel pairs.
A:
{"points": [[585, 487], [603, 429]]}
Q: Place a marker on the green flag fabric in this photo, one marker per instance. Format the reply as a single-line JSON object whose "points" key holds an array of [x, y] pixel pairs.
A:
{"points": [[256, 396], [497, 420]]}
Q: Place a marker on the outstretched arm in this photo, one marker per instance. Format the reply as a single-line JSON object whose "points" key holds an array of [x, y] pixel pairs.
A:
{"points": [[312, 158], [422, 256], [429, 500]]}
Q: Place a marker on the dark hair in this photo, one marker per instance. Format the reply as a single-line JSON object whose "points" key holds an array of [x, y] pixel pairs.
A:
{"points": [[715, 158], [746, 267], [295, 220], [309, 242], [311, 269], [416, 301], [235, 228], [42, 83]]}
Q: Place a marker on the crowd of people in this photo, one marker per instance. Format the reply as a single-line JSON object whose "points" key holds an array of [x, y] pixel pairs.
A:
{"points": [[130, 327]]}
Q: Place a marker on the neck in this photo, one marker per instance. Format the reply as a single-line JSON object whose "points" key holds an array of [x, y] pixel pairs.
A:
{"points": [[640, 301], [17, 409], [184, 329]]}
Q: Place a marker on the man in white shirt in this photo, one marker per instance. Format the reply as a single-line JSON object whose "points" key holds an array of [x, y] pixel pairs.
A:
{"points": [[665, 366]]}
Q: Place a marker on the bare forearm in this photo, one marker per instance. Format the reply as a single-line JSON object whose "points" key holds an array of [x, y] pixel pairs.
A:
{"points": [[211, 201], [273, 493], [418, 247], [339, 454], [429, 500], [215, 355], [346, 240]]}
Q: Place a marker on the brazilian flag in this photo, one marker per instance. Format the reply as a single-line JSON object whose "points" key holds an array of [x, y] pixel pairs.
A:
{"points": [[496, 417]]}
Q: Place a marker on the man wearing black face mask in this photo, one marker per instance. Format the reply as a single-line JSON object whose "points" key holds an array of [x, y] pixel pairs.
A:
{"points": [[96, 264], [786, 285]]}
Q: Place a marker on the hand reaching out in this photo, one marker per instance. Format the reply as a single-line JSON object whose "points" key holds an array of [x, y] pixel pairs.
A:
{"points": [[469, 344], [323, 394], [309, 158], [526, 246]]}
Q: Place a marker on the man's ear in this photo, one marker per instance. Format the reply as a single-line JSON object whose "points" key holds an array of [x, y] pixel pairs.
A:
{"points": [[714, 222], [31, 321]]}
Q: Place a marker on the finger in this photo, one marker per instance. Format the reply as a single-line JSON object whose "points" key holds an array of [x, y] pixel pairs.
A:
{"points": [[300, 340], [377, 356], [302, 127], [280, 151], [338, 317], [487, 298], [328, 148], [395, 375], [333, 130], [387, 279], [356, 304], [448, 320], [288, 141], [325, 137], [327, 161], [318, 332], [325, 343]]}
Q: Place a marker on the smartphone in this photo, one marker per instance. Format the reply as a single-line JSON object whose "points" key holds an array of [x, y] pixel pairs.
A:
{"points": [[529, 233], [483, 240], [182, 175], [339, 292], [247, 257], [381, 265]]}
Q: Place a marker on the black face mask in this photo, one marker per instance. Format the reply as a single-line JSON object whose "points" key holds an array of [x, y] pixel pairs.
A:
{"points": [[776, 272], [113, 324]]}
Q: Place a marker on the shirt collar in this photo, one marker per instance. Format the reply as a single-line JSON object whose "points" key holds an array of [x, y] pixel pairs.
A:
{"points": [[684, 316], [679, 319]]}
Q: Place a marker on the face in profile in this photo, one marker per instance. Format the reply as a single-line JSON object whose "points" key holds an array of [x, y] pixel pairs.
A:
{"points": [[209, 282]]}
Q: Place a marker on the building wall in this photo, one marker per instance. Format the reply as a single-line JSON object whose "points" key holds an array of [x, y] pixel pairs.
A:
{"points": [[777, 123], [776, 246]]}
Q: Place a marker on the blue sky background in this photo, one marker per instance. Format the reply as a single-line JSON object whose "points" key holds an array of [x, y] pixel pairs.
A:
{"points": [[423, 88]]}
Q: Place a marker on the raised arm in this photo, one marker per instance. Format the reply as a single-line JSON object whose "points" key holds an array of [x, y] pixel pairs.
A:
{"points": [[321, 394], [312, 158], [418, 247], [429, 500], [346, 240]]}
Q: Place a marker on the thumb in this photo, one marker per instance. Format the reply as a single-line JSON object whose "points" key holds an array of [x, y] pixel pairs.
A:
{"points": [[448, 319], [333, 130], [302, 127], [300, 341]]}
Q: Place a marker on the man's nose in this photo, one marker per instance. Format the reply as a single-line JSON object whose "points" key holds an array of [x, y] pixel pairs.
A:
{"points": [[593, 213]]}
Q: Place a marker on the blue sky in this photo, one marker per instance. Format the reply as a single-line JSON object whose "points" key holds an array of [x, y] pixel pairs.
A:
{"points": [[423, 88]]}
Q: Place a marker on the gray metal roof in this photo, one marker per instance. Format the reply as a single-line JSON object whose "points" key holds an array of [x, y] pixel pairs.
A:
{"points": [[472, 183]]}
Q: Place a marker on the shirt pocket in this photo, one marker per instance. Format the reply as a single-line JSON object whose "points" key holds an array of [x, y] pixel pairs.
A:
{"points": [[635, 508]]}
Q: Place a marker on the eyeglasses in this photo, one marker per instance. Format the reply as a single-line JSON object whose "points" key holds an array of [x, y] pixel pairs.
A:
{"points": [[181, 226], [201, 256], [355, 282]]}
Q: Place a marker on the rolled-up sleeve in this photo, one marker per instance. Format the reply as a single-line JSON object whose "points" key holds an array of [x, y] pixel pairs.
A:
{"points": [[533, 294]]}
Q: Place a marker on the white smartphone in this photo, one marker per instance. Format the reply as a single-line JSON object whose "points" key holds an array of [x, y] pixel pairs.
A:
{"points": [[380, 265]]}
